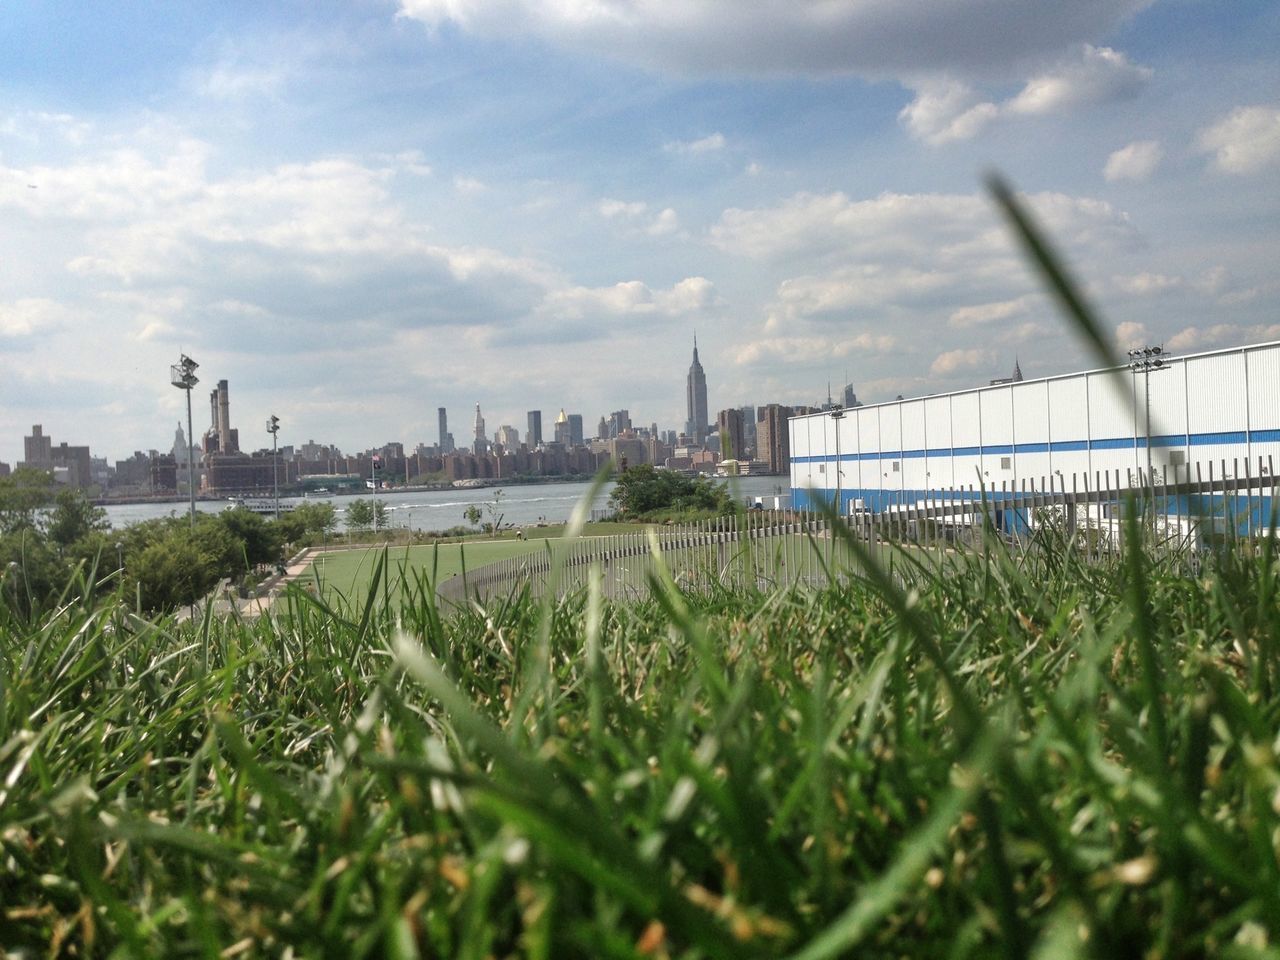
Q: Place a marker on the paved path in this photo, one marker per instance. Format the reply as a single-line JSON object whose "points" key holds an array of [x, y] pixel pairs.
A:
{"points": [[256, 606]]}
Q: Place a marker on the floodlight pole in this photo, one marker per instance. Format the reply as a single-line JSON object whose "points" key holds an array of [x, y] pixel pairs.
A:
{"points": [[837, 414], [273, 428], [183, 376], [1147, 359]]}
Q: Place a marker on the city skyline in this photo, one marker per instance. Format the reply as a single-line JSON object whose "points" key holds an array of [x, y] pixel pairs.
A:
{"points": [[357, 213]]}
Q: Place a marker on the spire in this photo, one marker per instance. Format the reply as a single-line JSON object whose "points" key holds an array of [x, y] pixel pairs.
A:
{"points": [[695, 346], [1017, 370]]}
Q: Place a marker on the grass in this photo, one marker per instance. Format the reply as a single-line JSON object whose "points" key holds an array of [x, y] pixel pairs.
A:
{"points": [[1025, 756]]}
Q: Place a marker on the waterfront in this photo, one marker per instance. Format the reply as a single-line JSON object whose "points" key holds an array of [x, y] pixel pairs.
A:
{"points": [[522, 504]]}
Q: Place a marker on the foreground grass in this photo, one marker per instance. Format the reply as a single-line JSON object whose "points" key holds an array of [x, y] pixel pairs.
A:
{"points": [[1009, 759]]}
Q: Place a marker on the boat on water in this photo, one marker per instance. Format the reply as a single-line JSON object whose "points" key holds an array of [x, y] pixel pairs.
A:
{"points": [[320, 493], [263, 506]]}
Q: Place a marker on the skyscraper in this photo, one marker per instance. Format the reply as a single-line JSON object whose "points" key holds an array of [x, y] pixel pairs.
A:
{"points": [[575, 429], [533, 437], [446, 439], [696, 390], [481, 444]]}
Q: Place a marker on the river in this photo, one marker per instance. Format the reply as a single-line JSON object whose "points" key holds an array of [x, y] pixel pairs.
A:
{"points": [[521, 504]]}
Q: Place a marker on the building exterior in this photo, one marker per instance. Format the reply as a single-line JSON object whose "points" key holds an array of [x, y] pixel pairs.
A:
{"points": [[561, 435], [696, 397], [773, 443], [533, 436], [575, 430], [446, 438], [1178, 420], [508, 437], [732, 439], [221, 437], [67, 464]]}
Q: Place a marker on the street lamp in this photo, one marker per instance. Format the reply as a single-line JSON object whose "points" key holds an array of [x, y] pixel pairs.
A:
{"points": [[273, 427], [837, 414], [120, 560], [183, 376]]}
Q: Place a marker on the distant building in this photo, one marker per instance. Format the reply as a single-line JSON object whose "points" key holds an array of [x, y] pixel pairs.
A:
{"points": [[619, 422], [533, 436], [480, 445], [561, 435], [5, 470], [732, 442], [773, 444], [221, 437], [1015, 377], [602, 430], [446, 438], [67, 464], [696, 395], [507, 437]]}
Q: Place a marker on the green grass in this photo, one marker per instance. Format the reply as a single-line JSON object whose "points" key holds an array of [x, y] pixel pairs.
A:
{"points": [[348, 573], [1023, 756]]}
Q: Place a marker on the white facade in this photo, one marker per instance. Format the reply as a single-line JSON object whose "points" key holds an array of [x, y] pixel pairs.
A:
{"points": [[1080, 431]]}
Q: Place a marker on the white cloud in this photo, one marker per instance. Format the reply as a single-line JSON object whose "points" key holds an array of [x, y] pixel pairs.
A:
{"points": [[1096, 75], [1146, 284], [708, 144], [874, 38], [615, 209], [944, 111], [1222, 334], [1130, 335], [30, 316], [469, 185], [983, 314], [1137, 161], [933, 228], [664, 224], [956, 361], [1247, 140], [772, 351]]}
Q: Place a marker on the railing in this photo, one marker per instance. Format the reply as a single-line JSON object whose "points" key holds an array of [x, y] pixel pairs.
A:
{"points": [[1183, 510]]}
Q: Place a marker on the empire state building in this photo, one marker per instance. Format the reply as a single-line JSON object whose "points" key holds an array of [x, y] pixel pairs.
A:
{"points": [[696, 425]]}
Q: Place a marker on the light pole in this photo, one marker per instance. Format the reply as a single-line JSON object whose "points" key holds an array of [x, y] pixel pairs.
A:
{"points": [[1147, 359], [273, 427], [183, 376], [837, 414]]}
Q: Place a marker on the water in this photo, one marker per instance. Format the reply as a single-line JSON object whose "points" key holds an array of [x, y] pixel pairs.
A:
{"points": [[522, 504]]}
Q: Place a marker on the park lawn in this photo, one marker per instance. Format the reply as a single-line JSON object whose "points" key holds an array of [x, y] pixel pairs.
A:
{"points": [[348, 573]]}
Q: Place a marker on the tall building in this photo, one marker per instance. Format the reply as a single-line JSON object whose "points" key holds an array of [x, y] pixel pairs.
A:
{"points": [[533, 436], [619, 422], [602, 429], [575, 429], [732, 442], [773, 442], [221, 438], [508, 437], [696, 391], [37, 448], [481, 444], [562, 428], [446, 438]]}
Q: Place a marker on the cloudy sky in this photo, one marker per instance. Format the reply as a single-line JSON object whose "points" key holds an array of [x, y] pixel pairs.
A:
{"points": [[358, 211]]}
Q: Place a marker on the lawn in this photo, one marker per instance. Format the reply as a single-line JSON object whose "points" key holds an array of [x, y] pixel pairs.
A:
{"points": [[349, 572]]}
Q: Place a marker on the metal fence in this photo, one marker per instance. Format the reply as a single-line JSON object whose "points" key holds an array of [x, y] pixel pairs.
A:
{"points": [[1182, 510]]}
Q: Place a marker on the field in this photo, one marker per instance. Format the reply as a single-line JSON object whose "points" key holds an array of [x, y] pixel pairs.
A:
{"points": [[1028, 756], [347, 573]]}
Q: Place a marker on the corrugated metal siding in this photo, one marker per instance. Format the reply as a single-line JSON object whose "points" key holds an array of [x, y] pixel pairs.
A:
{"points": [[1216, 389], [1111, 406], [965, 430]]}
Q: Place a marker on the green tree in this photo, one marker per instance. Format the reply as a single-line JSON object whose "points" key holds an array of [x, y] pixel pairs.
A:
{"points": [[305, 520], [23, 495], [473, 515], [644, 492], [359, 515], [32, 575], [73, 518], [259, 539]]}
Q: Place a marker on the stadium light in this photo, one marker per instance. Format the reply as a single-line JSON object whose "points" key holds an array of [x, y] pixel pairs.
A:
{"points": [[183, 376]]}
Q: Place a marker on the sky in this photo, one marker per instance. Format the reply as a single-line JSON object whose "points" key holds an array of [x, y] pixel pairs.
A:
{"points": [[356, 212]]}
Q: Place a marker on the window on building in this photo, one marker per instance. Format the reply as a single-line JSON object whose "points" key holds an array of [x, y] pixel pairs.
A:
{"points": [[897, 466], [822, 468], [1006, 463], [1177, 458]]}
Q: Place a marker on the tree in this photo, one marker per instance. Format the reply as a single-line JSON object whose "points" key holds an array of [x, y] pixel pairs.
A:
{"points": [[473, 515], [494, 509], [23, 495], [307, 519], [32, 576], [73, 518], [644, 491], [259, 539], [359, 515]]}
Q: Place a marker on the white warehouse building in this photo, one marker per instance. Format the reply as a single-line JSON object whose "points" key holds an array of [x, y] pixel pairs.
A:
{"points": [[1209, 414]]}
